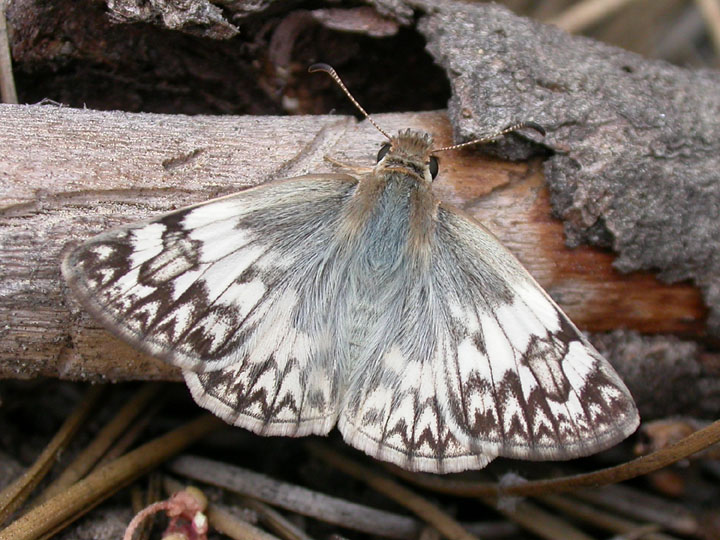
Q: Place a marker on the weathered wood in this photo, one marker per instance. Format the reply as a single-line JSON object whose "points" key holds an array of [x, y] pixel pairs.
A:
{"points": [[68, 173], [635, 153]]}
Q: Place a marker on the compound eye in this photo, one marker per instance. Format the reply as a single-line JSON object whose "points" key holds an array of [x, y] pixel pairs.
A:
{"points": [[384, 149], [433, 165]]}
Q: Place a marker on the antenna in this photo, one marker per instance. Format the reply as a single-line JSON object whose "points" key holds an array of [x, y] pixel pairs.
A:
{"points": [[491, 138], [330, 71]]}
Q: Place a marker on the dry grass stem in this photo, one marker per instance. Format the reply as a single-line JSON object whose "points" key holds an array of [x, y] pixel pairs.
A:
{"points": [[700, 440], [584, 14], [102, 483], [138, 501], [102, 441], [275, 521], [129, 437], [13, 496], [141, 499], [224, 521]]}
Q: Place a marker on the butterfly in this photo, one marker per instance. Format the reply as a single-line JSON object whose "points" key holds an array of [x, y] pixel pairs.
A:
{"points": [[362, 302]]}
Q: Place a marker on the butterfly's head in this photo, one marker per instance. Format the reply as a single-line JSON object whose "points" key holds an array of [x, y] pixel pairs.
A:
{"points": [[409, 152]]}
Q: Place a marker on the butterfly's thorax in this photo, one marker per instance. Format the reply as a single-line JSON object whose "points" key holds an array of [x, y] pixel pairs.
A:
{"points": [[396, 199]]}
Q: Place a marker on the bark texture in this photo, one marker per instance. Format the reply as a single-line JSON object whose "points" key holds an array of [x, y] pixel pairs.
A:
{"points": [[635, 142], [631, 157]]}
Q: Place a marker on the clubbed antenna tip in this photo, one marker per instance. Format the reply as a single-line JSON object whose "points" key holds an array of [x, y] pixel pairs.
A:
{"points": [[330, 71], [514, 127]]}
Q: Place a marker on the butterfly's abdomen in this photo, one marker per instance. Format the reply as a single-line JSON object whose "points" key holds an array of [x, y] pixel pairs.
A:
{"points": [[382, 261]]}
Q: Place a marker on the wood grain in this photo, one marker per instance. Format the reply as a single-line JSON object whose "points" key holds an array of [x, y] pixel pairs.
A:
{"points": [[67, 173]]}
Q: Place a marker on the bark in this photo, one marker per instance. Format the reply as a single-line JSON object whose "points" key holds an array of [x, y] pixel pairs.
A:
{"points": [[635, 142], [631, 155], [71, 173]]}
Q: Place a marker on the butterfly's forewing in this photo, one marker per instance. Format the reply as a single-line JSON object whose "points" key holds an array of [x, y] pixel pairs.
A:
{"points": [[521, 380], [232, 290], [473, 360]]}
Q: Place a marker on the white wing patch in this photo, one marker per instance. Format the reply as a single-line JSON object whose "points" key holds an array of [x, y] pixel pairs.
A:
{"points": [[525, 383], [403, 423]]}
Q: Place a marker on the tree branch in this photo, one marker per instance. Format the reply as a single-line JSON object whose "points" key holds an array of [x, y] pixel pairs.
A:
{"points": [[73, 173]]}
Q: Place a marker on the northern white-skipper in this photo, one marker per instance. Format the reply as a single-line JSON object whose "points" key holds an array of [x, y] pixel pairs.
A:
{"points": [[363, 302]]}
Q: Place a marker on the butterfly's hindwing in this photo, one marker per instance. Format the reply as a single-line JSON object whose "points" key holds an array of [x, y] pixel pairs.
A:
{"points": [[523, 381]]}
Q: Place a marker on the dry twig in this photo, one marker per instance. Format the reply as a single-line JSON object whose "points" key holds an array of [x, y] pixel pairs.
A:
{"points": [[295, 498], [637, 467], [421, 507], [97, 486], [16, 493]]}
